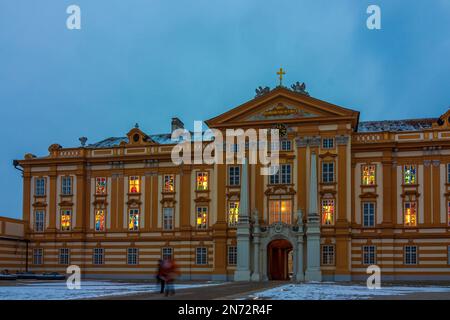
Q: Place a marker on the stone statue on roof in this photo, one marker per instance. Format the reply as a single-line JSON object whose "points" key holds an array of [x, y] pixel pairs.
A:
{"points": [[299, 88]]}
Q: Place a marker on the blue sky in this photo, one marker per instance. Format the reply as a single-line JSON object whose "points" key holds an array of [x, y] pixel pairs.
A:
{"points": [[146, 61]]}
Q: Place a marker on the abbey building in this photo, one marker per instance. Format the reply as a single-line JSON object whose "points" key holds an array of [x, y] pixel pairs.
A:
{"points": [[348, 194]]}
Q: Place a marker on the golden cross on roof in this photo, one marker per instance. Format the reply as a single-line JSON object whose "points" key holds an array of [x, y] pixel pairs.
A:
{"points": [[280, 73]]}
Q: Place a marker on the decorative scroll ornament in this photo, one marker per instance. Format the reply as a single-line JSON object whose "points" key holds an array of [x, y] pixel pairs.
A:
{"points": [[300, 88], [260, 91]]}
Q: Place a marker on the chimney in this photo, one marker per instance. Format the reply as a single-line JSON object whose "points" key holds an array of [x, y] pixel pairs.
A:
{"points": [[177, 124]]}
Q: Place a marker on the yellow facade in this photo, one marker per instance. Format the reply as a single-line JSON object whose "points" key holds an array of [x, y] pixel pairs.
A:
{"points": [[383, 192]]}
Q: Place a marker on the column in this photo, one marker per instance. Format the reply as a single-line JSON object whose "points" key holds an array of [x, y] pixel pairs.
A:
{"points": [[256, 276]]}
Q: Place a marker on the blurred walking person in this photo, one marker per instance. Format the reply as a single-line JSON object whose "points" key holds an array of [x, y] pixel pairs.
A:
{"points": [[169, 274], [160, 276]]}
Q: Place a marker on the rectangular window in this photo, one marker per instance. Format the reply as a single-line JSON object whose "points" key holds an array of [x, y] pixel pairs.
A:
{"points": [[132, 256], [202, 217], [286, 145], [38, 256], [100, 220], [100, 185], [202, 181], [368, 175], [133, 219], [282, 176], [134, 184], [66, 185], [98, 256], [169, 183], [168, 218], [327, 172], [66, 219], [328, 209], [167, 253], [233, 213], [234, 176], [201, 256], [410, 255], [328, 255], [448, 172], [369, 255], [448, 213], [39, 189], [409, 174], [327, 143], [368, 214], [64, 256], [232, 255], [280, 211], [39, 221], [448, 255], [410, 214]]}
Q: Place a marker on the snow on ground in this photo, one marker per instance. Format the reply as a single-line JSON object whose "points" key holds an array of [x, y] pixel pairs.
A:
{"points": [[89, 289], [333, 291]]}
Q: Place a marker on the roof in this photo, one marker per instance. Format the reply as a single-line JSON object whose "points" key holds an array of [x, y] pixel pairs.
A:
{"points": [[396, 125]]}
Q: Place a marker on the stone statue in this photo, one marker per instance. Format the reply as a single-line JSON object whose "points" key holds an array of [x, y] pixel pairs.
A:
{"points": [[300, 88], [260, 91], [255, 217]]}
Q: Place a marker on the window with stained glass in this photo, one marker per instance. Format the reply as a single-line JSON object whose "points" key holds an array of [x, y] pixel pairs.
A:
{"points": [[100, 220], [368, 175], [66, 219], [39, 187], [233, 213], [168, 218], [202, 181], [202, 217], [328, 209], [134, 184], [100, 185], [133, 219], [410, 213], [409, 174], [280, 211], [169, 183]]}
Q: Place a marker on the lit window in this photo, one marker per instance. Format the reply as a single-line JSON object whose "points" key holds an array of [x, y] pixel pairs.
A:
{"points": [[368, 214], [202, 181], [328, 211], [234, 176], [134, 184], [410, 255], [328, 255], [202, 217], [38, 256], [133, 220], [232, 255], [132, 256], [167, 253], [409, 174], [100, 220], [368, 175], [233, 213], [39, 187], [327, 172], [64, 256], [169, 183], [167, 218], [280, 211], [98, 256], [327, 143], [369, 254], [66, 185], [282, 176], [410, 214], [39, 221], [201, 256], [285, 145], [100, 185], [66, 219]]}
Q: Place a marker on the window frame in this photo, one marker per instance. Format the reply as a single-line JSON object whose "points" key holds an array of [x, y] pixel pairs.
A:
{"points": [[163, 254], [283, 175], [38, 256], [166, 189], [205, 217], [233, 222], [134, 182], [98, 256], [172, 218], [407, 260], [326, 254], [232, 255], [40, 212], [64, 256], [415, 175], [415, 213], [322, 211], [327, 146], [374, 214], [134, 211], [38, 186], [326, 173], [285, 145], [66, 185], [201, 252], [374, 175], [132, 256], [369, 255], [104, 219], [98, 186], [64, 212], [198, 184], [234, 179], [280, 214]]}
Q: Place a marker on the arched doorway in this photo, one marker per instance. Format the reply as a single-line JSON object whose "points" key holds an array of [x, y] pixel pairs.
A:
{"points": [[280, 264]]}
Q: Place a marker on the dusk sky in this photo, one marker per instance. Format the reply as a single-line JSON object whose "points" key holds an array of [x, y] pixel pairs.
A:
{"points": [[146, 61]]}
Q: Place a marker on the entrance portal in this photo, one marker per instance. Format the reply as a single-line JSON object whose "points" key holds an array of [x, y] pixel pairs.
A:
{"points": [[279, 254]]}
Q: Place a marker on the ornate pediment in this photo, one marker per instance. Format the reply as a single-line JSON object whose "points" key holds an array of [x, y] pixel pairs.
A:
{"points": [[281, 110]]}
